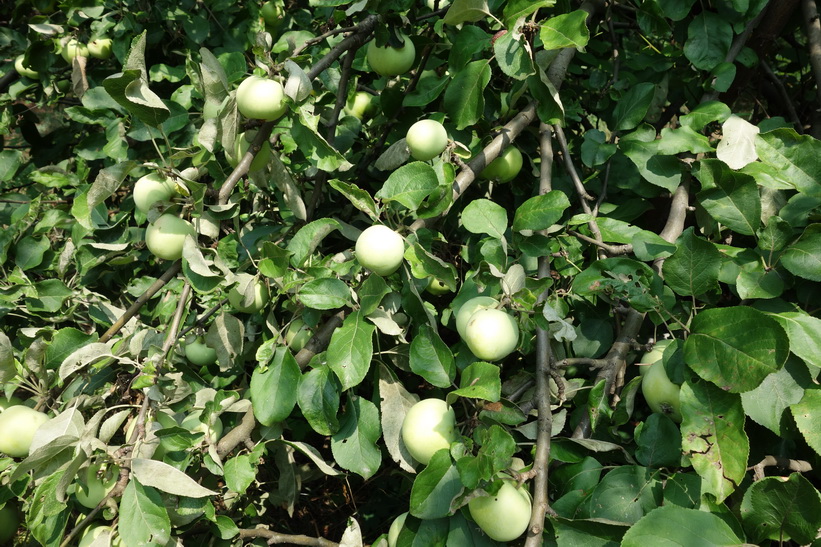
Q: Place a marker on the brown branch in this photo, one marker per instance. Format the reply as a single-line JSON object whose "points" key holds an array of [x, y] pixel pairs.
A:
{"points": [[354, 41], [583, 362], [290, 539], [812, 26], [797, 466], [263, 134], [612, 250]]}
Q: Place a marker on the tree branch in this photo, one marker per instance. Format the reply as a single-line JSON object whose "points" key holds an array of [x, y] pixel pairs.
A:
{"points": [[797, 466], [290, 539], [812, 26]]}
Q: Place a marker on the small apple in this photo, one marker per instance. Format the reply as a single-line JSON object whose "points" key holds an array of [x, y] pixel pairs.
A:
{"points": [[152, 188], [9, 522], [100, 48], [429, 426], [261, 98], [505, 515], [297, 335], [200, 353], [212, 431], [360, 105], [165, 237], [436, 287], [95, 483], [426, 139], [469, 308], [23, 70], [73, 48], [442, 4], [272, 12], [505, 167], [652, 356], [491, 334], [256, 300], [91, 535], [396, 528], [391, 61], [661, 394], [243, 143], [18, 424], [380, 249]]}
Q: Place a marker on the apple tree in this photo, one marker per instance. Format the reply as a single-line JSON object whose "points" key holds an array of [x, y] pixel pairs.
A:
{"points": [[241, 241]]}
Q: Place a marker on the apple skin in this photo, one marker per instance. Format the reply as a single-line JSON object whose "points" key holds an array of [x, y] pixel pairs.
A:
{"points": [[652, 356], [261, 98], [491, 334], [436, 287], [165, 237], [297, 335], [97, 481], [151, 189], [380, 249], [73, 48], [18, 424], [200, 353], [396, 528], [9, 522], [426, 139], [505, 167], [391, 61], [661, 394], [100, 48], [192, 423], [360, 105], [23, 70], [429, 426], [505, 516], [261, 295], [469, 308], [243, 143], [271, 12], [442, 4], [92, 533]]}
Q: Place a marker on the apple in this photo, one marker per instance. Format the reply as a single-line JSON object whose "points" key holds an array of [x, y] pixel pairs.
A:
{"points": [[436, 287], [491, 334], [380, 249], [100, 48], [165, 237], [391, 61], [95, 483], [469, 308], [426, 139], [17, 427], [200, 353], [72, 49], [442, 4], [236, 296], [91, 534], [652, 356], [661, 394], [360, 105], [261, 98], [152, 188], [505, 515], [396, 528], [243, 143], [24, 70], [429, 426], [297, 335], [9, 522], [271, 12], [505, 167], [212, 431]]}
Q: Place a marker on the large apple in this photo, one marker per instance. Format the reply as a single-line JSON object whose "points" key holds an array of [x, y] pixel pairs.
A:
{"points": [[151, 189], [426, 139], [17, 427], [24, 70], [661, 394], [95, 482], [9, 522], [505, 167], [380, 249], [391, 61], [165, 237], [236, 296], [429, 426], [652, 356], [261, 98], [470, 307], [491, 334], [73, 48], [504, 516], [200, 353], [100, 48]]}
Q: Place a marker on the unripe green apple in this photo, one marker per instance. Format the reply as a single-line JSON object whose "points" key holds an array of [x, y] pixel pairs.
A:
{"points": [[391, 61], [100, 48], [243, 143], [380, 249], [9, 522], [213, 431], [93, 532], [661, 394], [18, 424], [24, 70], [360, 105], [505, 167], [261, 98], [652, 356], [200, 353], [436, 287], [95, 483], [271, 12], [297, 335], [426, 139], [470, 307], [152, 188], [236, 295], [165, 237], [73, 48], [491, 334], [504, 516], [429, 426], [396, 528], [442, 4]]}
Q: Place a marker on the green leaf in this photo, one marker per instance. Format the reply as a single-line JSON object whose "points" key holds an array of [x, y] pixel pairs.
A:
{"points": [[666, 526], [704, 113], [166, 478], [803, 258], [731, 198], [693, 269], [713, 436], [540, 212], [566, 30], [49, 296], [632, 106], [435, 487], [807, 414], [29, 252], [483, 216], [517, 9], [274, 387], [802, 330], [659, 443], [625, 494], [795, 158], [325, 294], [735, 347], [766, 404], [466, 11], [431, 358], [513, 55], [131, 91], [621, 279], [351, 350], [371, 293], [316, 149], [64, 342], [306, 240], [358, 197], [240, 473], [658, 169], [779, 509], [709, 37], [318, 396], [7, 368], [354, 445], [479, 380], [143, 517], [409, 185], [754, 281], [464, 101]]}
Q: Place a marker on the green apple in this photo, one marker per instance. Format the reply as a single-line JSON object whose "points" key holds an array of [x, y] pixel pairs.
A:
{"points": [[18, 424], [429, 426], [297, 335], [9, 522], [73, 48], [436, 287], [272, 12], [442, 4], [505, 167], [391, 61], [100, 48], [396, 528], [200, 353], [243, 143], [151, 189], [95, 483], [257, 294], [23, 70], [469, 308], [261, 98], [504, 516], [213, 431], [661, 394], [426, 139], [491, 334], [360, 105], [165, 237], [380, 249], [652, 356], [92, 533]]}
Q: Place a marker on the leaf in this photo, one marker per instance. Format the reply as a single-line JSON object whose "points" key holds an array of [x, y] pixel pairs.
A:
{"points": [[431, 358], [666, 526], [518, 9], [735, 347], [795, 158], [464, 101], [316, 149], [371, 293], [351, 349], [169, 479], [108, 181], [318, 398], [354, 445], [566, 30], [435, 488], [358, 197], [807, 414], [7, 367], [802, 330], [803, 258], [782, 509], [274, 387], [325, 294], [482, 216], [513, 55], [306, 240], [632, 107], [737, 145], [709, 36], [466, 11], [766, 404], [560, 329], [298, 86], [658, 169], [625, 494], [143, 517], [540, 212], [240, 473], [409, 185], [713, 436], [394, 403], [693, 268], [479, 380], [659, 444]]}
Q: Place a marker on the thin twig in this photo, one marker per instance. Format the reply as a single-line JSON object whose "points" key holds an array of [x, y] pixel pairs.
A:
{"points": [[290, 539]]}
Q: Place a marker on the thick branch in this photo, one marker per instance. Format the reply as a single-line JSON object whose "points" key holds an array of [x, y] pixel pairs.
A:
{"points": [[812, 24]]}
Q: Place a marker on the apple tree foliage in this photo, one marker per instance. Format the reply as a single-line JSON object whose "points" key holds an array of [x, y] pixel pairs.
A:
{"points": [[670, 188]]}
